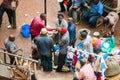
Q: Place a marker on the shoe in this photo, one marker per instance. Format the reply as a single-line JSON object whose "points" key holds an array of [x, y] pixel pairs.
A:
{"points": [[9, 26]]}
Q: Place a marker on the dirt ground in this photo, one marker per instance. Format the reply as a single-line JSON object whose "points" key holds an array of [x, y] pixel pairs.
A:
{"points": [[26, 10]]}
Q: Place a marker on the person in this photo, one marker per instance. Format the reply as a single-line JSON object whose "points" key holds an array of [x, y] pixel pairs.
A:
{"points": [[94, 13], [62, 7], [76, 5], [110, 22], [72, 32], [36, 25], [45, 47], [60, 22], [86, 72], [11, 47], [86, 39], [6, 6], [64, 43]]}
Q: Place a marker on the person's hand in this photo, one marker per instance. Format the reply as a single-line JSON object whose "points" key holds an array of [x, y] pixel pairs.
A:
{"points": [[21, 50]]}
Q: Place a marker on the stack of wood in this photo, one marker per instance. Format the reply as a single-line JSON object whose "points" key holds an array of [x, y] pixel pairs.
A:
{"points": [[22, 70]]}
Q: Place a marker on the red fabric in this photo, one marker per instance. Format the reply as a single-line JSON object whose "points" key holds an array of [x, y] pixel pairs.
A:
{"points": [[91, 58], [50, 28], [74, 61], [36, 26], [7, 4], [65, 2], [62, 29]]}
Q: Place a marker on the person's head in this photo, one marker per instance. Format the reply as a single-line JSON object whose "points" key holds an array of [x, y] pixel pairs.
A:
{"points": [[12, 38], [43, 16], [60, 17], [96, 49], [43, 31], [70, 20], [83, 34], [106, 21], [95, 1], [82, 62]]}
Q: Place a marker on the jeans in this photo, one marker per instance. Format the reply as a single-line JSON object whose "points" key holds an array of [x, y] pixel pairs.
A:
{"points": [[92, 20], [9, 13], [46, 63]]}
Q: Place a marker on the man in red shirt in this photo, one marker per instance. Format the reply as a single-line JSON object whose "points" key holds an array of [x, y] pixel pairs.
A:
{"points": [[36, 25], [7, 7]]}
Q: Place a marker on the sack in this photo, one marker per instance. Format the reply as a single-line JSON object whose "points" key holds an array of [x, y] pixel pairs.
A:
{"points": [[108, 44], [113, 66]]}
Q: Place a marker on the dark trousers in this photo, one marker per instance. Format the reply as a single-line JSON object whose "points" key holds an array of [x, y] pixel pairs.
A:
{"points": [[46, 63], [62, 6], [69, 4], [9, 13], [12, 59], [32, 37], [61, 62]]}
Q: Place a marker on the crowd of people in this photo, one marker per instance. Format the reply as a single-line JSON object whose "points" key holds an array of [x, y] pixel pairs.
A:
{"points": [[64, 35]]}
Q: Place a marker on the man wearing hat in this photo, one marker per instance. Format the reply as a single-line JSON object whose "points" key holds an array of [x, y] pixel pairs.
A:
{"points": [[45, 47], [64, 43]]}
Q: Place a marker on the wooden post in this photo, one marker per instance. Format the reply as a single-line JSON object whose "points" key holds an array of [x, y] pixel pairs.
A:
{"points": [[45, 10]]}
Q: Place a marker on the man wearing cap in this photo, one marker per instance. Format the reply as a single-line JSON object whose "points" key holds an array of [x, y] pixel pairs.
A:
{"points": [[45, 47], [110, 22], [64, 43], [11, 47]]}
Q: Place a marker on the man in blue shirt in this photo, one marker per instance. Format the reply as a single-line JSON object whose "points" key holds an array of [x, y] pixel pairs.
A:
{"points": [[94, 13], [45, 46], [72, 31]]}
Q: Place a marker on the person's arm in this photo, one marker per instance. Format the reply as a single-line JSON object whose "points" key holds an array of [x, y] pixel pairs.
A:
{"points": [[16, 4], [14, 51]]}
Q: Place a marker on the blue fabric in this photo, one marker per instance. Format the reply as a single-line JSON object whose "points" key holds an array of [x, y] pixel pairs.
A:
{"points": [[118, 53], [92, 20], [80, 45], [57, 47], [97, 8], [105, 56], [72, 32], [78, 2]]}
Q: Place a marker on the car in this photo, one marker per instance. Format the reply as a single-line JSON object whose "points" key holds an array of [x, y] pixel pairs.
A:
{"points": [[111, 5]]}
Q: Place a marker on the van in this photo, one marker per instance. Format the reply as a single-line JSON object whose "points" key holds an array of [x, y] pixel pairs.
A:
{"points": [[111, 5]]}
